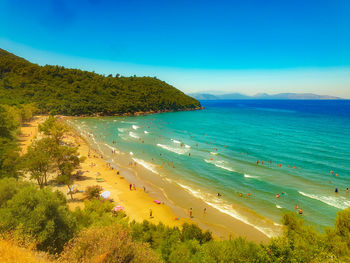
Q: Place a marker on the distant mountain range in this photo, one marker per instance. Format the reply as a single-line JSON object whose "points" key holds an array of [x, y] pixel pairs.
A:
{"points": [[263, 96]]}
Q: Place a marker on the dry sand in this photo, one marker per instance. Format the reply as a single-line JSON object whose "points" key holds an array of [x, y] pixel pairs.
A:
{"points": [[137, 203]]}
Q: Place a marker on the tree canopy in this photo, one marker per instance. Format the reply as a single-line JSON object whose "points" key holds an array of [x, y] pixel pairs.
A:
{"points": [[59, 90]]}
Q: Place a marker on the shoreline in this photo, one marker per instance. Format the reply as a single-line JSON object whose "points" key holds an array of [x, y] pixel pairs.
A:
{"points": [[137, 113], [137, 203], [221, 224]]}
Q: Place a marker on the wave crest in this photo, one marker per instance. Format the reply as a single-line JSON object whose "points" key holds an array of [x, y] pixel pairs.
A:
{"points": [[171, 149], [338, 202]]}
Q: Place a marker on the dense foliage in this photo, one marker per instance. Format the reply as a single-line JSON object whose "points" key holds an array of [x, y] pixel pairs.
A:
{"points": [[11, 118], [107, 244], [40, 215], [59, 90], [95, 234]]}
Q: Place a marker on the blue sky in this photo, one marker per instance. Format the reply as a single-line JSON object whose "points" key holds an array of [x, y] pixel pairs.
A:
{"points": [[233, 46]]}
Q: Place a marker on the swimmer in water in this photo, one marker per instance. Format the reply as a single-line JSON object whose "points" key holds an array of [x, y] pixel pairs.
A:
{"points": [[336, 190], [218, 194], [300, 211]]}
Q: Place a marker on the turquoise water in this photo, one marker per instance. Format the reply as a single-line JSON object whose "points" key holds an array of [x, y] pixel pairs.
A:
{"points": [[216, 150]]}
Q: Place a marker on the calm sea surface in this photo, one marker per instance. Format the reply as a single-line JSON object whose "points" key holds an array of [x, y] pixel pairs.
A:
{"points": [[297, 144]]}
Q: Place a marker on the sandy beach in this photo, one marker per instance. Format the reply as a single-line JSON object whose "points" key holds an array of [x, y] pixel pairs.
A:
{"points": [[137, 203]]}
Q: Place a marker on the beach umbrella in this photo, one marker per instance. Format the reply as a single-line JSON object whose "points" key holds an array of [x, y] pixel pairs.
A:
{"points": [[118, 208], [105, 194]]}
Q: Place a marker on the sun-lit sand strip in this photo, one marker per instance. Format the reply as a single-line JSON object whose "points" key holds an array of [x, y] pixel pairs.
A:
{"points": [[29, 131], [137, 203]]}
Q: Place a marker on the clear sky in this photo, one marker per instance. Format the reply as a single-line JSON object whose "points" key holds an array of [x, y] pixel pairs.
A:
{"points": [[230, 46]]}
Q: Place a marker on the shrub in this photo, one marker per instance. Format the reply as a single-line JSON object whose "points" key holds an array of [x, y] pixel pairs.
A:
{"points": [[93, 191], [111, 244], [98, 213], [40, 214]]}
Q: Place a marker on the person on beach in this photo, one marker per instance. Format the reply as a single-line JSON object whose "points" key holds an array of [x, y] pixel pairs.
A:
{"points": [[150, 213], [219, 195], [336, 190], [130, 187], [347, 190], [190, 212], [144, 189], [134, 186], [204, 211]]}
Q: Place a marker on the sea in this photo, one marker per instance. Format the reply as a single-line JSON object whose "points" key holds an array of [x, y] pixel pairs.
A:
{"points": [[263, 157]]}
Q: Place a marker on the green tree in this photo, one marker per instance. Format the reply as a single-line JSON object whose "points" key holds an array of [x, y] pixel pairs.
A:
{"points": [[54, 129], [67, 159], [99, 213], [28, 111], [40, 214], [9, 150], [39, 160]]}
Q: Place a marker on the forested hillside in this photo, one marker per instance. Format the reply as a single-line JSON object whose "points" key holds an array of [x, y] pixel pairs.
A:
{"points": [[60, 90]]}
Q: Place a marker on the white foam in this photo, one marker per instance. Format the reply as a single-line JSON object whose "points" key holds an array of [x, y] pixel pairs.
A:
{"points": [[133, 135], [175, 141], [131, 153], [114, 120], [112, 148], [279, 207], [220, 164], [171, 149], [213, 153], [250, 176], [147, 165], [146, 132], [226, 209], [135, 127], [335, 201], [121, 129], [187, 146]]}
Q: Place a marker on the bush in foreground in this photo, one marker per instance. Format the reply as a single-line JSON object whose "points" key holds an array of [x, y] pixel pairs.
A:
{"points": [[41, 215], [111, 244]]}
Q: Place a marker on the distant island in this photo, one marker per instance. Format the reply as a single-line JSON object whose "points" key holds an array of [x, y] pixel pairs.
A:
{"points": [[59, 90], [263, 96]]}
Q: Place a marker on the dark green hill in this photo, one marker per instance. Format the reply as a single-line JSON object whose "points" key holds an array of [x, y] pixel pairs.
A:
{"points": [[66, 91]]}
